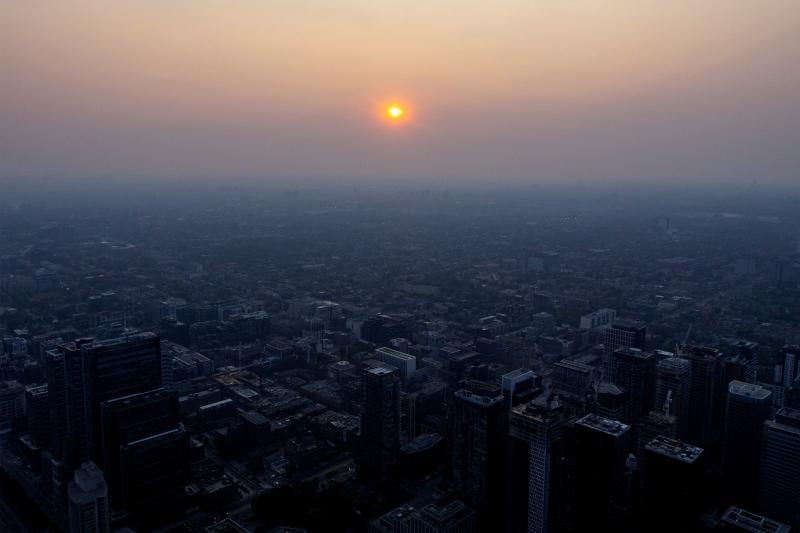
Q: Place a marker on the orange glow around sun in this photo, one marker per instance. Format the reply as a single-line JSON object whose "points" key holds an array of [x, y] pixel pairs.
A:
{"points": [[395, 113]]}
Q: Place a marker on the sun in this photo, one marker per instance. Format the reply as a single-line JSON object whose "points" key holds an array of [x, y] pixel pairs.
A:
{"points": [[395, 111]]}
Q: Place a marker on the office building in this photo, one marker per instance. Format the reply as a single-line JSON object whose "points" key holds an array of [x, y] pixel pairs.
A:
{"points": [[478, 430], [655, 424], [598, 319], [738, 519], [601, 449], [380, 419], [610, 401], [673, 382], [635, 371], [538, 425], [672, 484], [779, 476], [622, 334], [572, 377], [85, 373], [748, 408], [12, 404], [154, 470], [131, 418], [88, 501], [37, 413], [742, 364], [519, 385], [405, 363], [791, 358], [706, 400]]}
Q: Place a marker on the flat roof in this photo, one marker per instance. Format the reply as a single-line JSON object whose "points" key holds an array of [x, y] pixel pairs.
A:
{"points": [[380, 370], [755, 523], [605, 425], [395, 353], [675, 449], [748, 390]]}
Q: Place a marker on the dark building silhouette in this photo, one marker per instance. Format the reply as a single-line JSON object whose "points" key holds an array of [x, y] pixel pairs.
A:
{"points": [[635, 371], [537, 426], [672, 484], [673, 385], [610, 401], [706, 398], [478, 432], [601, 449], [743, 364], [154, 470], [380, 329], [380, 420], [622, 334], [779, 480], [132, 418], [748, 408], [83, 374], [655, 424], [37, 407]]}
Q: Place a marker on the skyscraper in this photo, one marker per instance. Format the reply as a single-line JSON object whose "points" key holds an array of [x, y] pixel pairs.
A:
{"points": [[88, 501], [538, 425], [116, 368], [380, 424], [779, 480], [154, 470], [128, 419], [655, 424], [380, 419], [38, 414], [673, 382], [748, 407], [84, 373], [478, 430], [672, 473], [705, 399], [635, 371], [601, 449], [791, 354], [622, 334]]}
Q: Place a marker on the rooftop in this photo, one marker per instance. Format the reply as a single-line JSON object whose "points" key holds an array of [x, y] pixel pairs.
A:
{"points": [[748, 390], [395, 353], [675, 449], [747, 521], [608, 426]]}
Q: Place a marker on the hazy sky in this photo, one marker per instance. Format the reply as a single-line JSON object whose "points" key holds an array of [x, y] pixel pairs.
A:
{"points": [[503, 90]]}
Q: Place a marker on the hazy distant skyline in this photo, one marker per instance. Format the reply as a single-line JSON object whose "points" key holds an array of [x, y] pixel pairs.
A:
{"points": [[506, 91]]}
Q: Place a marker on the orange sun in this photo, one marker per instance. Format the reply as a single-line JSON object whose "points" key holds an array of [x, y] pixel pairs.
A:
{"points": [[395, 113]]}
